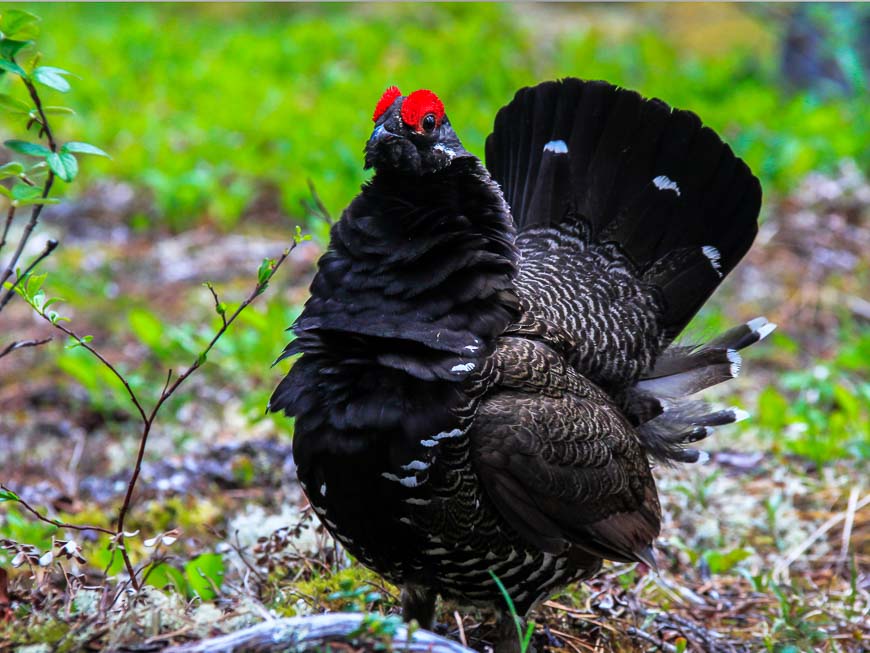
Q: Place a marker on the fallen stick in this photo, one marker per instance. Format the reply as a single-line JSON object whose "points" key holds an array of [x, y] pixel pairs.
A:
{"points": [[315, 633]]}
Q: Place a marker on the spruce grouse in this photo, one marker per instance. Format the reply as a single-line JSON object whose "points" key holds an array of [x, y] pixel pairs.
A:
{"points": [[487, 357]]}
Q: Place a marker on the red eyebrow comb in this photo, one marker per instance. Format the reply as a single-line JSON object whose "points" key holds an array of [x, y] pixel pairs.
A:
{"points": [[386, 101]]}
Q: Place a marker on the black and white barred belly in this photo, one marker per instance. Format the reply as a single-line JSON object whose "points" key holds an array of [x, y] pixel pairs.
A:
{"points": [[452, 534]]}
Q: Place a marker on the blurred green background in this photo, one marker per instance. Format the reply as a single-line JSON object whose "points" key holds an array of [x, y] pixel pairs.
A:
{"points": [[207, 106], [218, 115]]}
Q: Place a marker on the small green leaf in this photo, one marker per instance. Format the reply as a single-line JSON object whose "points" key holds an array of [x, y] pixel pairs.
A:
{"points": [[12, 67], [299, 237], [37, 200], [16, 22], [163, 575], [78, 343], [9, 47], [30, 149], [11, 169], [38, 300], [201, 359], [264, 272], [5, 192], [52, 78], [63, 164], [34, 281], [83, 148], [12, 104], [8, 495], [22, 191], [205, 573], [57, 111], [58, 71]]}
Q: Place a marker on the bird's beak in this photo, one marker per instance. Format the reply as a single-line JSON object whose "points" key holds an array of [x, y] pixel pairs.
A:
{"points": [[380, 135]]}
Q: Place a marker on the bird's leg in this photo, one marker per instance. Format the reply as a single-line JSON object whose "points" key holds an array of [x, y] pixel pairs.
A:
{"points": [[418, 603]]}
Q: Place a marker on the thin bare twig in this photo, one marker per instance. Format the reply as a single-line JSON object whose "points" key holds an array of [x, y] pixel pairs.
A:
{"points": [[28, 230], [46, 128], [84, 343], [168, 379], [10, 215], [217, 303], [149, 420], [320, 210], [55, 522], [19, 344]]}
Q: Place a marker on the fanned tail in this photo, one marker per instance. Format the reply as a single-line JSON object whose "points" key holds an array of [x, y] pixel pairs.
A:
{"points": [[629, 215]]}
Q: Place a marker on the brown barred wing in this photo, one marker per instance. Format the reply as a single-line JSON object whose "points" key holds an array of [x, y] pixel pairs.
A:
{"points": [[559, 462]]}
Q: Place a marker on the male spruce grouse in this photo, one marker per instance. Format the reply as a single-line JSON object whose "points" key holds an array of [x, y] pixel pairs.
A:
{"points": [[487, 364]]}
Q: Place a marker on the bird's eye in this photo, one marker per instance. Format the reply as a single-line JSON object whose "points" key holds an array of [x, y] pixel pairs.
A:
{"points": [[428, 122]]}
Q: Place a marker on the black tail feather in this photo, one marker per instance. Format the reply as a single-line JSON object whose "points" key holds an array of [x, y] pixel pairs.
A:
{"points": [[667, 421], [649, 178]]}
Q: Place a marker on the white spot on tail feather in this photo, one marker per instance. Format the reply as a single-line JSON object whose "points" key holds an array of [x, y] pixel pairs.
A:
{"points": [[736, 361], [556, 147], [703, 458], [766, 330], [739, 414], [416, 465], [463, 367], [756, 323], [323, 490], [666, 183], [715, 257]]}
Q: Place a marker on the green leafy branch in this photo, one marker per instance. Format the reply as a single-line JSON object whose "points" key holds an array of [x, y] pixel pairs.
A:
{"points": [[32, 293], [32, 186], [33, 182]]}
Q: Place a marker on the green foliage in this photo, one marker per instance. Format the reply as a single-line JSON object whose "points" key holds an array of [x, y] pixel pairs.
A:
{"points": [[375, 628], [201, 577], [347, 589], [796, 628], [722, 562], [821, 413], [23, 529], [232, 100], [355, 598], [204, 575]]}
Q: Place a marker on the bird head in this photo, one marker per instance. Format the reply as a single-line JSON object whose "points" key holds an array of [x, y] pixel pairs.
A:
{"points": [[412, 134]]}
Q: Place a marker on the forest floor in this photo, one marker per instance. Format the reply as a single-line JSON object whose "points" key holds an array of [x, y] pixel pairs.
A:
{"points": [[765, 547]]}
